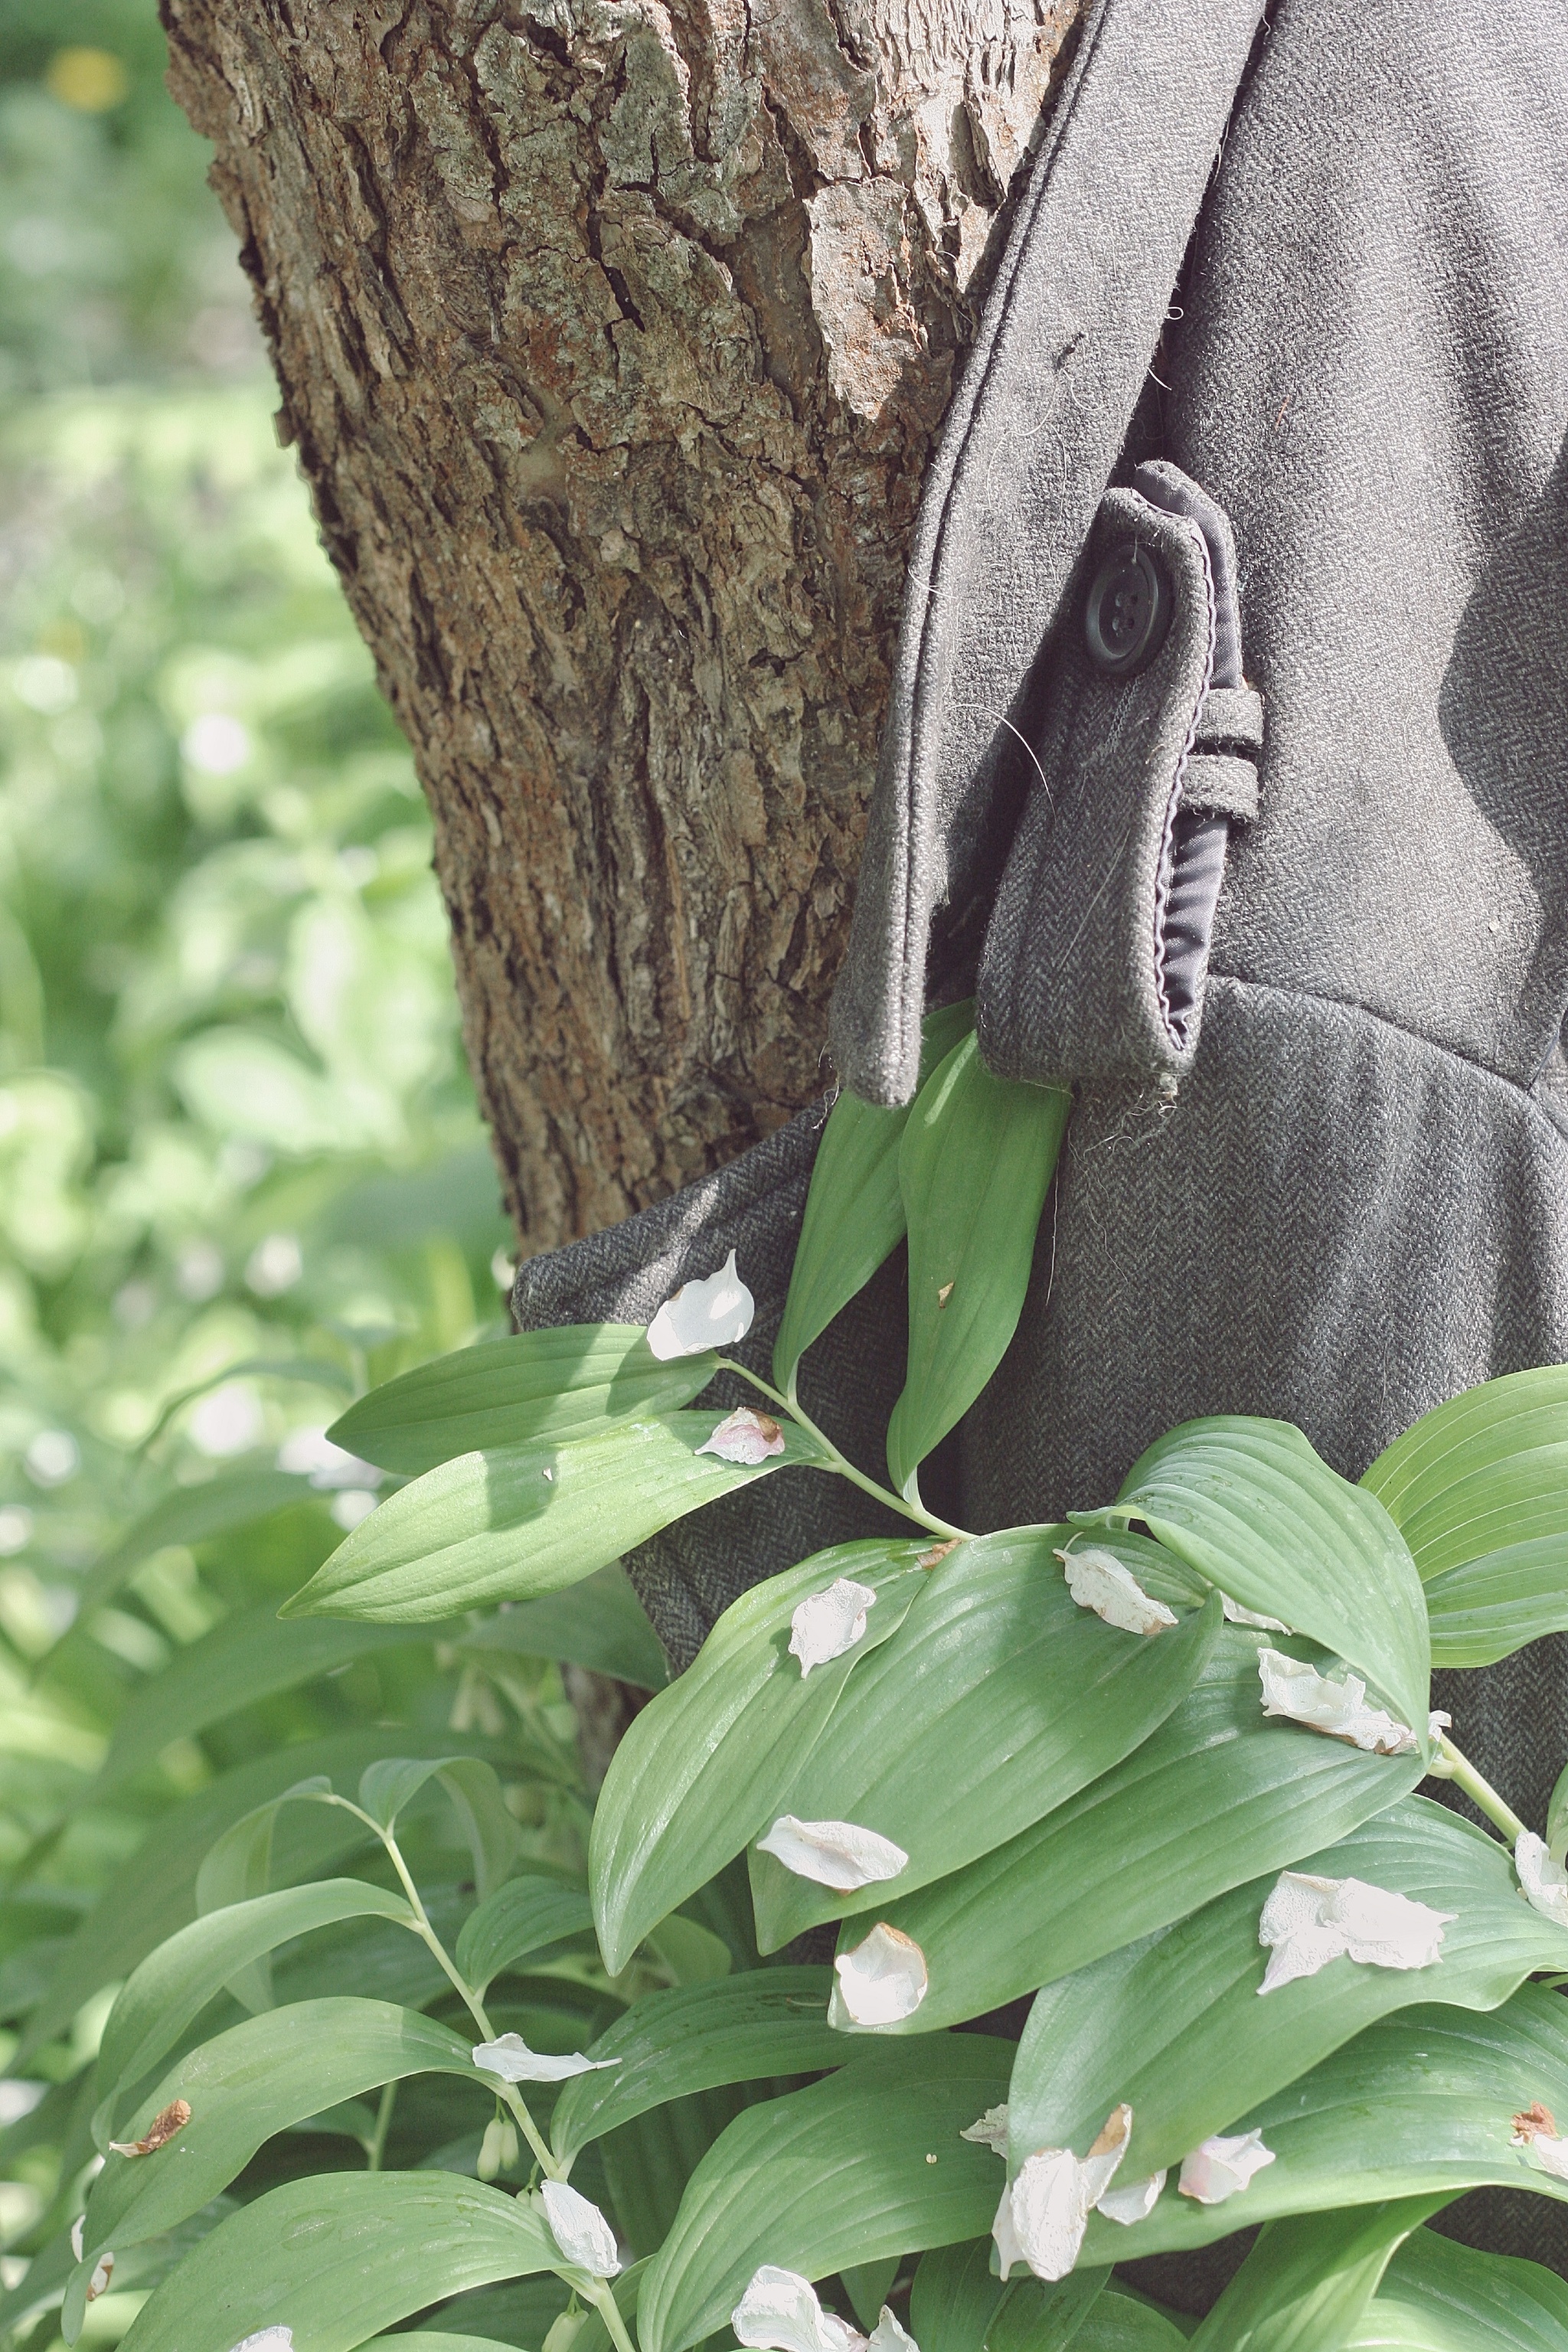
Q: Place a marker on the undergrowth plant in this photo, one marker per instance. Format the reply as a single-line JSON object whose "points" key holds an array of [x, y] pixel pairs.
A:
{"points": [[410, 2030]]}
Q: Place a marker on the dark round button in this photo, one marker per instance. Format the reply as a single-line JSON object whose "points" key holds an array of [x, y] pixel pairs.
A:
{"points": [[1129, 610]]}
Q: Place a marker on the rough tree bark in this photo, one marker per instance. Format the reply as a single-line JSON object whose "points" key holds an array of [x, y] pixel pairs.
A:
{"points": [[613, 335]]}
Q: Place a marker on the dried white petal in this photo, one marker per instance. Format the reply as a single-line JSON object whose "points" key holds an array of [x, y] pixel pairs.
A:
{"points": [[1098, 1580], [1307, 1922], [1337, 1707], [881, 1982], [1536, 2129], [268, 2339], [104, 2270], [780, 2313], [76, 2227], [711, 1314], [1135, 2202], [1544, 1882], [829, 1622], [580, 2229], [991, 2132], [888, 2336], [1222, 2168], [1044, 2214], [745, 1436], [839, 1855], [514, 2061], [1234, 1614]]}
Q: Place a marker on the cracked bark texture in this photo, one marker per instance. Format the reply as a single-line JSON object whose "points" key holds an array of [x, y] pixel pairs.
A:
{"points": [[612, 336]]}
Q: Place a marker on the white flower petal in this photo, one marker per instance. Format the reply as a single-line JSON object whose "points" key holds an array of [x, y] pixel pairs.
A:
{"points": [[745, 1436], [1307, 1922], [268, 2339], [991, 2132], [829, 1622], [839, 1855], [1544, 1882], [1234, 1614], [1044, 2214], [711, 1314], [780, 2313], [1135, 2202], [889, 2336], [514, 2061], [1098, 1580], [76, 2227], [881, 1982], [1222, 2168], [580, 2229], [1338, 1707], [104, 2270]]}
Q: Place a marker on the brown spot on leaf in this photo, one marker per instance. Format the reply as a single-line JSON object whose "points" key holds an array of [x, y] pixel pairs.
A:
{"points": [[162, 2128], [1535, 2119], [938, 1551]]}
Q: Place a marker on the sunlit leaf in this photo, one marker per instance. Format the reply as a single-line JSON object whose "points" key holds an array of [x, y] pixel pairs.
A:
{"points": [[599, 1624], [1307, 2281], [522, 1916], [1439, 2296], [193, 1514]]}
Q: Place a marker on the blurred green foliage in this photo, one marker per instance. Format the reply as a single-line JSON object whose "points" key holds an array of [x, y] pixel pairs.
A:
{"points": [[241, 1172]]}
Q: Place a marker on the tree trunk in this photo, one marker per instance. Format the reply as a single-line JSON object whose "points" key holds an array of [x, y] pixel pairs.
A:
{"points": [[613, 335]]}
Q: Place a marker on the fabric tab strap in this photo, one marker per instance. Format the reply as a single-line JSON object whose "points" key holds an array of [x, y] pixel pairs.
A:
{"points": [[1231, 719], [1222, 784]]}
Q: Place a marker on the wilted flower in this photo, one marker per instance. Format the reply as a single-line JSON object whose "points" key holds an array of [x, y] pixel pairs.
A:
{"points": [[991, 2131], [1135, 2202], [1308, 1922], [829, 1622], [514, 2061], [1234, 1614], [745, 1436], [1045, 2211], [711, 1314], [268, 2339], [780, 2313], [1544, 1881], [1337, 1707], [839, 1855], [889, 2336], [164, 2126], [77, 2227], [1222, 2168], [580, 2229], [881, 1982], [102, 2271], [1098, 1580], [1536, 2129]]}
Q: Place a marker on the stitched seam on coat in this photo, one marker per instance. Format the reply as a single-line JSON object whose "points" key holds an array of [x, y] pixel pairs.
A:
{"points": [[1164, 873]]}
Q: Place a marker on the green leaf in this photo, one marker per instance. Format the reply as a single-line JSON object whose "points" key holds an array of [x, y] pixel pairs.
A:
{"points": [[238, 1866], [998, 1699], [697, 1774], [246, 1658], [1419, 2105], [193, 1515], [541, 1385], [1219, 1794], [1250, 1506], [599, 1624], [242, 2087], [854, 1210], [649, 2160], [867, 2285], [524, 1914], [958, 2304], [527, 1519], [975, 1167], [1485, 1610], [744, 2029], [1487, 1468], [175, 1983], [1437, 2296], [337, 2258], [832, 2174], [493, 1837], [1119, 2322], [1175, 2024], [1308, 2281]]}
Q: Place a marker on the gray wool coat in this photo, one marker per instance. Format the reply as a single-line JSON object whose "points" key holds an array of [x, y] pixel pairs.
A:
{"points": [[1227, 764]]}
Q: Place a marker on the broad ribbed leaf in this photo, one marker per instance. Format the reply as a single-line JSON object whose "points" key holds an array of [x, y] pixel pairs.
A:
{"points": [[175, 1982], [746, 2029], [1455, 1468], [832, 2174], [527, 1519], [958, 2304], [1308, 2281], [193, 1514], [854, 1210], [554, 1385], [1176, 2025], [998, 1699], [1118, 2323], [599, 1624], [242, 2087], [337, 2257], [975, 1167], [1217, 1795], [1250, 1506], [525, 1914], [700, 1772], [1419, 2105], [1437, 2296], [1487, 1609]]}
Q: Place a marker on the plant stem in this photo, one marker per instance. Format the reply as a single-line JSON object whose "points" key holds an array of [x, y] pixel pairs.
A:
{"points": [[840, 1462], [1481, 1793], [376, 2149], [602, 2296]]}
